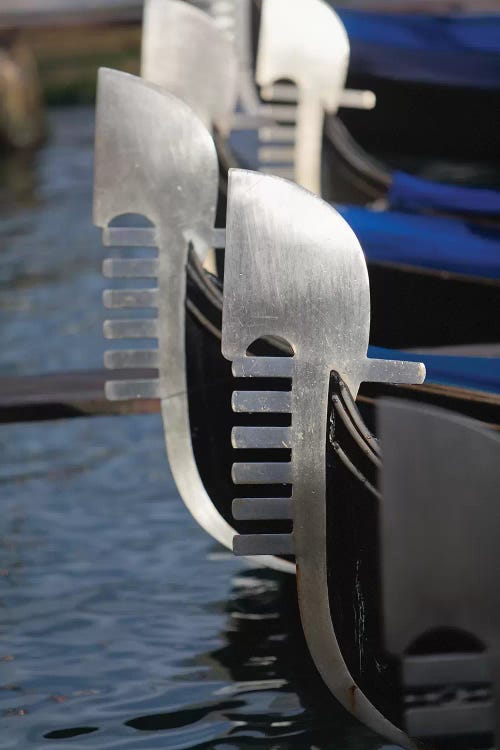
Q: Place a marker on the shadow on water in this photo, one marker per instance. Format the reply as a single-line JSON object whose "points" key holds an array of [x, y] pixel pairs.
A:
{"points": [[273, 697], [122, 625]]}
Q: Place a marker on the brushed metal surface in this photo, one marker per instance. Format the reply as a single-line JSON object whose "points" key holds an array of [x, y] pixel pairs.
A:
{"points": [[155, 157], [185, 52]]}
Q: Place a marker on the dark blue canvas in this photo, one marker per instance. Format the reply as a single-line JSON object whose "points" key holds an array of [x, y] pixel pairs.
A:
{"points": [[456, 49], [472, 373], [409, 193], [439, 243]]}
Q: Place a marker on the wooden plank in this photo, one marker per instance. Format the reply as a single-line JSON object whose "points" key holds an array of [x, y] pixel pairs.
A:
{"points": [[33, 13], [67, 395], [76, 394]]}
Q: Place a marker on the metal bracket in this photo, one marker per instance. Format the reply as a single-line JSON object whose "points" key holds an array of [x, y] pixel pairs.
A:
{"points": [[440, 525], [304, 282]]}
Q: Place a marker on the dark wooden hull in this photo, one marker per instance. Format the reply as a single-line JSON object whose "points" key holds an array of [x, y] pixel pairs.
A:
{"points": [[426, 120], [352, 518]]}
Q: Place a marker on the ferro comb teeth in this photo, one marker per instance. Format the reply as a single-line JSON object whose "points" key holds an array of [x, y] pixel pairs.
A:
{"points": [[115, 299], [261, 437], [185, 52], [262, 402], [295, 271], [303, 42], [154, 157], [262, 509], [124, 268]]}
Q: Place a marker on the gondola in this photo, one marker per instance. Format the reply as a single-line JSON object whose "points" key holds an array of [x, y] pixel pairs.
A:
{"points": [[196, 383], [351, 175], [426, 259], [437, 80], [369, 178], [134, 174], [358, 176]]}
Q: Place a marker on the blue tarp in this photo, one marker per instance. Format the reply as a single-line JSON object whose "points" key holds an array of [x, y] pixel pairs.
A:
{"points": [[456, 49], [427, 242], [473, 373], [409, 193]]}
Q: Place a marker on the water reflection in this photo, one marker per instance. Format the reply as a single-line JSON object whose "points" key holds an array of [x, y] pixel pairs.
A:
{"points": [[276, 692], [120, 619]]}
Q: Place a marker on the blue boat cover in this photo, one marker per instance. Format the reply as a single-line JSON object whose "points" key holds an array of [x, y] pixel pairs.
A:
{"points": [[456, 49], [409, 193], [472, 373], [430, 242]]}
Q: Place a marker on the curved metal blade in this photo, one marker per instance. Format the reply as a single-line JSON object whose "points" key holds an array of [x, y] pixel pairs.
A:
{"points": [[155, 157], [305, 282], [304, 42], [234, 17], [185, 52]]}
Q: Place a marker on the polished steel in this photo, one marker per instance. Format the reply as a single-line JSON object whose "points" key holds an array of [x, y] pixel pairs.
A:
{"points": [[234, 17], [155, 157], [185, 52], [263, 473], [207, 62], [263, 402], [261, 437], [125, 359], [440, 526], [304, 43], [295, 270], [262, 509], [261, 544], [125, 268], [132, 298]]}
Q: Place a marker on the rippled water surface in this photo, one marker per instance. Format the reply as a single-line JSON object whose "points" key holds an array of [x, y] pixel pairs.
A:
{"points": [[121, 624]]}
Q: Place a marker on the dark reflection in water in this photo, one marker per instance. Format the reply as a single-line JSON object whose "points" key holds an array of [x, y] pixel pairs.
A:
{"points": [[66, 734], [121, 624]]}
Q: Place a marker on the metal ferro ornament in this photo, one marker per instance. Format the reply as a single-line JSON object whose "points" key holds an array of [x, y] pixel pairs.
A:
{"points": [[305, 42], [185, 52], [234, 18], [154, 157], [305, 282]]}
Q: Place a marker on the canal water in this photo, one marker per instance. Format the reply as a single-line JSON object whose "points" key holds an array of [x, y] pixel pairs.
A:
{"points": [[122, 625]]}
